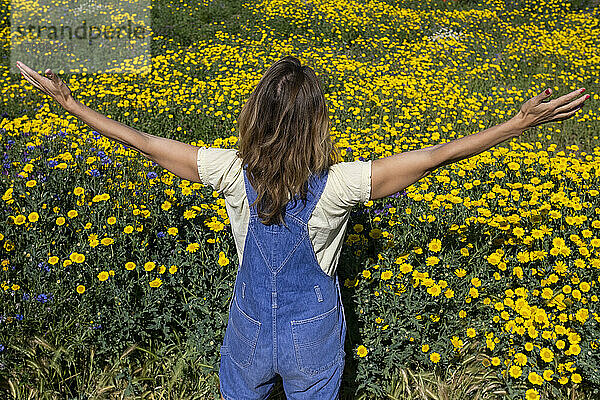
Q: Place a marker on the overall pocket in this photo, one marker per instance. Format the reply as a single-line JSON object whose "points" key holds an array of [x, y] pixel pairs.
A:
{"points": [[317, 341], [242, 336]]}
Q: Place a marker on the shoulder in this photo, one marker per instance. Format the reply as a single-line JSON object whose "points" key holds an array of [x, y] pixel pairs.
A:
{"points": [[219, 168], [349, 183]]}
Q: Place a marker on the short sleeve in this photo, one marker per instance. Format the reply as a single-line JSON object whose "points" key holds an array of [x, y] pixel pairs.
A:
{"points": [[350, 182], [218, 168]]}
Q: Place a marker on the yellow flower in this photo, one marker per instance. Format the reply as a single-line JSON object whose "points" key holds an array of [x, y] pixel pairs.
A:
{"points": [[425, 348], [471, 332], [77, 257], [361, 351], [173, 231], [576, 378], [405, 268], [520, 359], [192, 247], [432, 260], [149, 266], [435, 245], [532, 394], [80, 289], [156, 282], [548, 374], [53, 260], [19, 219], [128, 229], [72, 213], [130, 266], [375, 233], [107, 241], [366, 273], [358, 228], [528, 346], [111, 220], [535, 378], [172, 269], [494, 258], [386, 275], [33, 217], [223, 260], [515, 371], [60, 221], [460, 272], [434, 357], [78, 191], [434, 290], [546, 354], [162, 269], [102, 276]]}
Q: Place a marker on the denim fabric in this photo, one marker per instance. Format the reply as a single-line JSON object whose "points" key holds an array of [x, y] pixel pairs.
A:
{"points": [[285, 315]]}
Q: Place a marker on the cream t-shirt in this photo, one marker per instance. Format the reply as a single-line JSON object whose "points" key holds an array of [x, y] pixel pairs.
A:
{"points": [[348, 184]]}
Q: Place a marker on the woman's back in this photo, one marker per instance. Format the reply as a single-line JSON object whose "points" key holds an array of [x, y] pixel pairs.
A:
{"points": [[348, 184]]}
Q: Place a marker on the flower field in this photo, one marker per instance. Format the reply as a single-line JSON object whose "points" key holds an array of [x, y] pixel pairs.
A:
{"points": [[481, 279]]}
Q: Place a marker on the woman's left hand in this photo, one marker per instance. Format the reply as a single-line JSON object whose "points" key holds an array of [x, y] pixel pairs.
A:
{"points": [[51, 85]]}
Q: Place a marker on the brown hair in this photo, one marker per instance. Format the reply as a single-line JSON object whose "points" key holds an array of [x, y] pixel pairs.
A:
{"points": [[284, 136]]}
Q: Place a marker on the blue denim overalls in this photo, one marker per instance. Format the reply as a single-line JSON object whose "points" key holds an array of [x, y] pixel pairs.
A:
{"points": [[285, 315]]}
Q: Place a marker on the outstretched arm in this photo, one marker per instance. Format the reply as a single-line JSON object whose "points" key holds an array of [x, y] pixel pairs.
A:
{"points": [[392, 174], [175, 156]]}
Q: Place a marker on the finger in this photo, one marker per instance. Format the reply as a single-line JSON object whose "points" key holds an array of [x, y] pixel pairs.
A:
{"points": [[39, 79], [563, 116], [29, 79], [574, 104], [52, 76], [567, 98], [542, 96]]}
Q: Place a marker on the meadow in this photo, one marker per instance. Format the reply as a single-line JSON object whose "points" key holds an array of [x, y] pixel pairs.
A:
{"points": [[479, 281]]}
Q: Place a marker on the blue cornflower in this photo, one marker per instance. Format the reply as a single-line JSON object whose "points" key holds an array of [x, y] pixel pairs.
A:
{"points": [[106, 160], [52, 163], [101, 153], [42, 298], [19, 317], [26, 296], [45, 266], [1, 348], [95, 172], [160, 234], [151, 175]]}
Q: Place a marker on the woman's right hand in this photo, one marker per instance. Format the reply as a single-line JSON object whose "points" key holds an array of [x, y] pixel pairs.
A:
{"points": [[535, 111]]}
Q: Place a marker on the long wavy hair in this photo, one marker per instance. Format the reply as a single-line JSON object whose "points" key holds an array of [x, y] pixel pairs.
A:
{"points": [[284, 136]]}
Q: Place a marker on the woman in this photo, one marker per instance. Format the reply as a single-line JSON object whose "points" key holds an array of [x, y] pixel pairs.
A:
{"points": [[288, 199]]}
